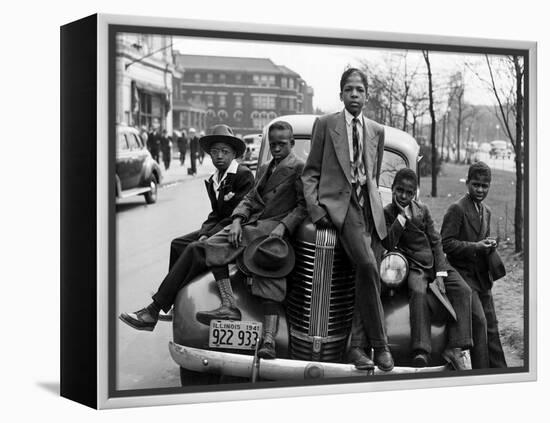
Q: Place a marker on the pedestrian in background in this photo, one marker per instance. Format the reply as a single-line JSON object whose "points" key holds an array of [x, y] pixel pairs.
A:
{"points": [[182, 146], [166, 148], [193, 151], [201, 151], [153, 144]]}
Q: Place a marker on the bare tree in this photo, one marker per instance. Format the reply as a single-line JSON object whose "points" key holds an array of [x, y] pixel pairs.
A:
{"points": [[426, 55], [506, 76]]}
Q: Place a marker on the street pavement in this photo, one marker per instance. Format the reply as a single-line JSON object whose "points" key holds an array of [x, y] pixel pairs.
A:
{"points": [[143, 236]]}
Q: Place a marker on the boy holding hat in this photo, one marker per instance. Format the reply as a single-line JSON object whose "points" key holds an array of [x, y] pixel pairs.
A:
{"points": [[271, 211], [226, 188], [411, 231]]}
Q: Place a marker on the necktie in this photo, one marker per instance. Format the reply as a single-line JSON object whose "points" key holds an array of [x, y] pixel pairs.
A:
{"points": [[357, 166]]}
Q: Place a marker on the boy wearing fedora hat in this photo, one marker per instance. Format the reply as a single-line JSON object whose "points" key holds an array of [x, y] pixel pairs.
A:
{"points": [[226, 188], [271, 211]]}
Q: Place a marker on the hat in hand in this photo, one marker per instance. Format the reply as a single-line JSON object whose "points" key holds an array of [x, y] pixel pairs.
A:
{"points": [[269, 256]]}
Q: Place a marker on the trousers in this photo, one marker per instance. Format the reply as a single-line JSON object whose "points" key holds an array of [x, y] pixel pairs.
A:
{"points": [[487, 350], [188, 265]]}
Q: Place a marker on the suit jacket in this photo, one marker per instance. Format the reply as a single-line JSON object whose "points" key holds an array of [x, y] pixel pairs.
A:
{"points": [[460, 230], [327, 174], [417, 240], [279, 199], [232, 190]]}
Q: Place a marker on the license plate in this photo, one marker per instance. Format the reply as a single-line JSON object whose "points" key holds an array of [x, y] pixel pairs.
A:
{"points": [[234, 334]]}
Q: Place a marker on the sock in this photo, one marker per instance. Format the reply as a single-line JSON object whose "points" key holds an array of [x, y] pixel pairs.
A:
{"points": [[154, 308]]}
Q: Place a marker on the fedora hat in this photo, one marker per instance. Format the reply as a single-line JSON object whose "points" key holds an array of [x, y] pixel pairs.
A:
{"points": [[223, 133], [269, 256]]}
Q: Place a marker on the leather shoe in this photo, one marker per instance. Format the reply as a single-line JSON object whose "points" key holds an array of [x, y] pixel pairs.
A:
{"points": [[456, 358], [383, 358], [141, 320], [221, 313], [359, 359], [420, 359]]}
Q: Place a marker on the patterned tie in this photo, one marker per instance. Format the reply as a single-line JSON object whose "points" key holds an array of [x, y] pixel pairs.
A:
{"points": [[358, 167]]}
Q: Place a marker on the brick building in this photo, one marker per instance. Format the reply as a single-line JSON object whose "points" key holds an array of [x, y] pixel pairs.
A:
{"points": [[244, 93]]}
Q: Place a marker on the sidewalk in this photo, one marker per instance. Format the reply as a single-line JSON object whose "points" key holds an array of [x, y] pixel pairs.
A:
{"points": [[177, 173]]}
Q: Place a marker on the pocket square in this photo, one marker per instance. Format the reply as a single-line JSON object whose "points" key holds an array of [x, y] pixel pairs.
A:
{"points": [[228, 196]]}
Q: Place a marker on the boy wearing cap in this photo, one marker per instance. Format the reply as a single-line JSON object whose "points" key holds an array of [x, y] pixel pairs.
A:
{"points": [[273, 209], [226, 188], [411, 231], [465, 235]]}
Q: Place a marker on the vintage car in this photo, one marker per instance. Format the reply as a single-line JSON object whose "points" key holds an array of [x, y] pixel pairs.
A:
{"points": [[250, 157], [315, 321], [136, 173], [500, 150]]}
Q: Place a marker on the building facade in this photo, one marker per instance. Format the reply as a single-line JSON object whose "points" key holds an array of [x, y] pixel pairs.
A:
{"points": [[244, 93], [144, 80]]}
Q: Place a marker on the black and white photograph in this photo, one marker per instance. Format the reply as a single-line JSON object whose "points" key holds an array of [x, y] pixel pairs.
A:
{"points": [[300, 212]]}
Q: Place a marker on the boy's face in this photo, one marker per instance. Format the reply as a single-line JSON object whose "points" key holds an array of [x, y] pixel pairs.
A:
{"points": [[354, 94], [280, 144], [222, 155], [478, 187], [403, 192]]}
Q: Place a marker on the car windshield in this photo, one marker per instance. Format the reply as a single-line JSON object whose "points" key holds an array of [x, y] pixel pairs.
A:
{"points": [[391, 162]]}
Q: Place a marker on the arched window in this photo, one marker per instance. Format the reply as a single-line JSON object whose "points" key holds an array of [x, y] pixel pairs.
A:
{"points": [[222, 115], [238, 116]]}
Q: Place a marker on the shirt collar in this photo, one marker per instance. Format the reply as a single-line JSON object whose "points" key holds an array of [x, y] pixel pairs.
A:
{"points": [[231, 169], [349, 117]]}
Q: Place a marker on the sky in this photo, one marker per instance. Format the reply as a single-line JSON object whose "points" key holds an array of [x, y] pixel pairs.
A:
{"points": [[322, 66]]}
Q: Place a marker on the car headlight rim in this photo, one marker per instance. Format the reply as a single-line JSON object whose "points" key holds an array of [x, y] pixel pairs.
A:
{"points": [[394, 269]]}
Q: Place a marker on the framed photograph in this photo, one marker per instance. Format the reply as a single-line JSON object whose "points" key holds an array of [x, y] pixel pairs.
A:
{"points": [[253, 211]]}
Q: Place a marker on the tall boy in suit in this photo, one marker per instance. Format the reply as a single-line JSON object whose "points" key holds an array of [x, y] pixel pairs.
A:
{"points": [[465, 235], [411, 231], [341, 190]]}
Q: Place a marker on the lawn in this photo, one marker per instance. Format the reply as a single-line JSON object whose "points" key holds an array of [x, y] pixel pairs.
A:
{"points": [[508, 292]]}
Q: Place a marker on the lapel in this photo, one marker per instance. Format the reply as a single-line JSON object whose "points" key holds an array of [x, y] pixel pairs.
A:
{"points": [[417, 220], [339, 137], [228, 182], [281, 172], [369, 147], [484, 220], [473, 215], [210, 189]]}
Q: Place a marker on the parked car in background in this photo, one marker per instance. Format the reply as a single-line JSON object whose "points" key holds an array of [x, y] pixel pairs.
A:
{"points": [[136, 173], [315, 320], [250, 157], [500, 150]]}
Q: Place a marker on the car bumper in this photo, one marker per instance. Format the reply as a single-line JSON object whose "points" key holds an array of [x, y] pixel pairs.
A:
{"points": [[230, 364]]}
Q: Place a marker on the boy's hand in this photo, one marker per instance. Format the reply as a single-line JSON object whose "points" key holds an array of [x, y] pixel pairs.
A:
{"points": [[440, 282], [485, 245], [235, 233]]}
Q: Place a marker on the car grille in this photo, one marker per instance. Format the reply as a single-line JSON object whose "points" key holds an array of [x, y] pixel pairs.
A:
{"points": [[321, 299]]}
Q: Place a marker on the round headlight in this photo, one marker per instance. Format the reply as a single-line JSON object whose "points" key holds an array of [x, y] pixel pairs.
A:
{"points": [[393, 269]]}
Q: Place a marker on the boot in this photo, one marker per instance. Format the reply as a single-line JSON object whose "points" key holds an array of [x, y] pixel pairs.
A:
{"points": [[267, 350], [227, 311]]}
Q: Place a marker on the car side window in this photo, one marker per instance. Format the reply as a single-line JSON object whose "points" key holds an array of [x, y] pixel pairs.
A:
{"points": [[391, 163], [122, 143], [133, 142]]}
